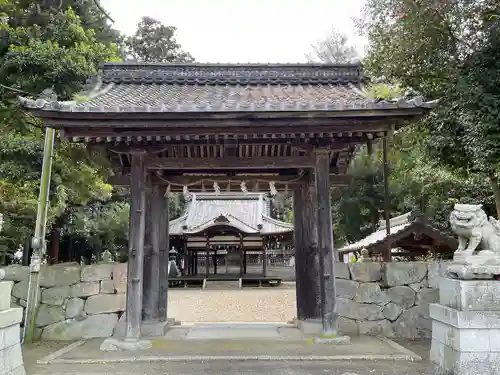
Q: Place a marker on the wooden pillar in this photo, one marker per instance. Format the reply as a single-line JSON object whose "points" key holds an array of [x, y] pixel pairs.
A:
{"points": [[155, 218], [387, 201], [148, 249], [241, 255], [264, 258], [136, 247], [244, 261], [207, 258], [307, 267], [163, 257], [325, 242]]}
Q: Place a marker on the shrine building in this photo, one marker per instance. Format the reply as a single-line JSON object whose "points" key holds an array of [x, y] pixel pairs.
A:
{"points": [[228, 127]]}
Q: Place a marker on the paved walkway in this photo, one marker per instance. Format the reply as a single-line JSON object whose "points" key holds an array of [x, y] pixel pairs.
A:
{"points": [[179, 348], [241, 368]]}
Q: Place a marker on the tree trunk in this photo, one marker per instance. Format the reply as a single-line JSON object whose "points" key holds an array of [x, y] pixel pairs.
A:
{"points": [[496, 192]]}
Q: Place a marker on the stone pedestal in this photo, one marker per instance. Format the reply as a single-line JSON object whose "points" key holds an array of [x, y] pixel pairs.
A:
{"points": [[466, 328], [11, 357]]}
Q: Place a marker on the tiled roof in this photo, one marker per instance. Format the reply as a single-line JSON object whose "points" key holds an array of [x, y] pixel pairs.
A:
{"points": [[397, 224], [227, 88], [247, 212]]}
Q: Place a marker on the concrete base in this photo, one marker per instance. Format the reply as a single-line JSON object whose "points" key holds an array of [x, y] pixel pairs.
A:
{"points": [[113, 344], [310, 326], [466, 328], [148, 329], [339, 340], [11, 356]]}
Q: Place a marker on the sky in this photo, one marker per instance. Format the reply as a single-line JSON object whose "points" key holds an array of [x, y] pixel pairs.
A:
{"points": [[260, 31]]}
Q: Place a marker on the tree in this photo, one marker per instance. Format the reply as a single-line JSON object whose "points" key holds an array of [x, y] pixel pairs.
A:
{"points": [[333, 49], [57, 53], [155, 42], [433, 48]]}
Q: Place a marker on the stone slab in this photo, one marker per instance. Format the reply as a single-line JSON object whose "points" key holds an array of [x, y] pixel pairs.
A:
{"points": [[5, 292], [470, 295], [148, 329], [10, 336], [232, 333], [339, 340], [447, 361], [465, 319], [113, 344], [12, 358], [467, 340], [11, 317], [59, 275], [402, 273], [310, 326]]}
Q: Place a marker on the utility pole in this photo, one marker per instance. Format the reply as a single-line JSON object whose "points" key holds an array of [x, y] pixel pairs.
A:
{"points": [[38, 241]]}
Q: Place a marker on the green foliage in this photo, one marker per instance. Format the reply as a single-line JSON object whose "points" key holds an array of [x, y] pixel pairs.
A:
{"points": [[446, 50], [155, 42], [47, 49], [333, 49]]}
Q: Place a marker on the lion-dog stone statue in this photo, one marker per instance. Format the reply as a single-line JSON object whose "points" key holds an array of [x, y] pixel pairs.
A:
{"points": [[478, 252], [474, 229]]}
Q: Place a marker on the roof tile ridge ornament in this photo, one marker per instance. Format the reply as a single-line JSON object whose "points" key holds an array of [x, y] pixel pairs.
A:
{"points": [[48, 99]]}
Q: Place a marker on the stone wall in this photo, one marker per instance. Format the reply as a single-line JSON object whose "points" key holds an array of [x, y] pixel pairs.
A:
{"points": [[11, 357], [88, 301], [76, 301], [389, 299]]}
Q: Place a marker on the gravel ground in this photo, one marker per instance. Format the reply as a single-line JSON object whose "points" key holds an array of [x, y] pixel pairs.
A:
{"points": [[237, 305]]}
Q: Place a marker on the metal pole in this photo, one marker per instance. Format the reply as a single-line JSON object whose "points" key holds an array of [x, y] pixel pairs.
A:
{"points": [[38, 240], [387, 201]]}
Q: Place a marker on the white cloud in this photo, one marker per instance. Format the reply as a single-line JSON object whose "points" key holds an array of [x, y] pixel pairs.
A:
{"points": [[243, 31]]}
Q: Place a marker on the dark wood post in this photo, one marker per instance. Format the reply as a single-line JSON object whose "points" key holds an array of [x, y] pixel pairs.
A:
{"points": [[325, 242], [147, 295], [163, 257], [264, 258], [387, 200], [136, 247], [207, 257], [241, 255], [152, 271], [307, 267]]}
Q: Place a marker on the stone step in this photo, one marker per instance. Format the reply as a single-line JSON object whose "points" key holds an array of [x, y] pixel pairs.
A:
{"points": [[219, 285]]}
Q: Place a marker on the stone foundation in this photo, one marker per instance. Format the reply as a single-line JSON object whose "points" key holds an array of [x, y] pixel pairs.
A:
{"points": [[11, 357], [466, 328], [373, 299], [390, 299]]}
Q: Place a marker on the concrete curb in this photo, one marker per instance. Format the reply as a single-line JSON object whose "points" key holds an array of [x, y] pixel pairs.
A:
{"points": [[374, 357], [51, 357], [400, 348]]}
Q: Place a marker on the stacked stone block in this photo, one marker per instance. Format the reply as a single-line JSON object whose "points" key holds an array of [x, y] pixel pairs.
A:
{"points": [[466, 328], [387, 299], [11, 357], [89, 301]]}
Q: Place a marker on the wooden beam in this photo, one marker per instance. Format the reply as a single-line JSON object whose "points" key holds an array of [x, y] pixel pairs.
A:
{"points": [[280, 181], [203, 119], [348, 129], [278, 162]]}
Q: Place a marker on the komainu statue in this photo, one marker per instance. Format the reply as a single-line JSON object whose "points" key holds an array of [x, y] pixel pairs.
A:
{"points": [[474, 229]]}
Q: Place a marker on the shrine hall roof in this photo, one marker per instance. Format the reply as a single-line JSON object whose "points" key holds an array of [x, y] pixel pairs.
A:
{"points": [[248, 213], [193, 88]]}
